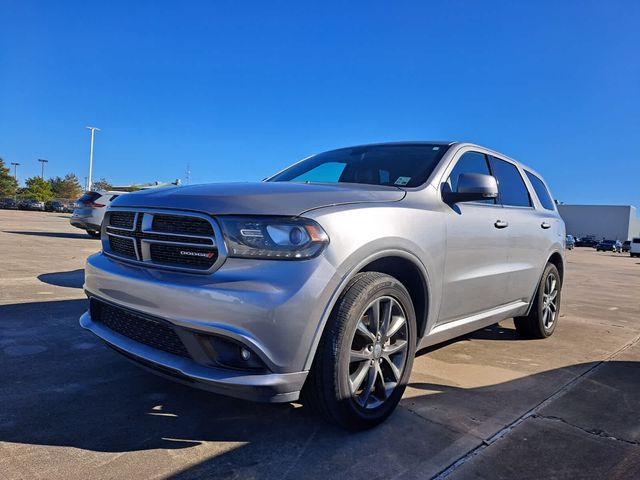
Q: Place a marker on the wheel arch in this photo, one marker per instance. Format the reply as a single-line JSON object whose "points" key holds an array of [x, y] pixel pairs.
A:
{"points": [[556, 259], [389, 261], [409, 274]]}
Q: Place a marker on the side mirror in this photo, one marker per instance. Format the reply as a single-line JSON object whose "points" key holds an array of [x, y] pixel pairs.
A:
{"points": [[472, 187]]}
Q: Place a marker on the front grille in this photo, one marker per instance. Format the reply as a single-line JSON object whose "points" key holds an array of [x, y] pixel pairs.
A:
{"points": [[140, 328], [181, 224], [184, 241], [122, 246], [201, 258]]}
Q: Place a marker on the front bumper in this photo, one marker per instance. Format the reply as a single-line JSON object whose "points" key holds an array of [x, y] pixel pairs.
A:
{"points": [[274, 308], [270, 387]]}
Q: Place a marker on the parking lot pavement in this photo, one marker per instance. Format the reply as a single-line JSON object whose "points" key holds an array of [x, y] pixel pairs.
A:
{"points": [[488, 405]]}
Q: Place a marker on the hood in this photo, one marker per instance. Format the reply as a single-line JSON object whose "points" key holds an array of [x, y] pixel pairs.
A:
{"points": [[260, 198]]}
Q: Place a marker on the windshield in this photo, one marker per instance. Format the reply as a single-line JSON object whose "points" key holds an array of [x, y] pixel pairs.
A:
{"points": [[393, 165]]}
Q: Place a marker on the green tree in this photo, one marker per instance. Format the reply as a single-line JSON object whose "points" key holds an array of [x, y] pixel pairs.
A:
{"points": [[68, 187], [101, 184], [38, 189], [8, 184]]}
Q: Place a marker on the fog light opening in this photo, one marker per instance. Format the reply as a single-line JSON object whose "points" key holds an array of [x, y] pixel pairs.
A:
{"points": [[229, 353]]}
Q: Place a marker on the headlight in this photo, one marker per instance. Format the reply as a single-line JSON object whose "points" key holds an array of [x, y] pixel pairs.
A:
{"points": [[273, 237]]}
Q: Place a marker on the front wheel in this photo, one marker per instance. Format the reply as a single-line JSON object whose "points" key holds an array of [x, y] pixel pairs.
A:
{"points": [[364, 359], [545, 311]]}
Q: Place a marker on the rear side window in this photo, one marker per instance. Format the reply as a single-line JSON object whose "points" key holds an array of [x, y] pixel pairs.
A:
{"points": [[511, 188], [541, 191], [470, 162]]}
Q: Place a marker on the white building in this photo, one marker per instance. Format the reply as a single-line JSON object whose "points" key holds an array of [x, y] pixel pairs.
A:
{"points": [[613, 222]]}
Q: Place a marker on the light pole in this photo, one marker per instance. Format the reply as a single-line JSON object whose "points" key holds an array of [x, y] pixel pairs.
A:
{"points": [[42, 161], [15, 177], [15, 171], [93, 132]]}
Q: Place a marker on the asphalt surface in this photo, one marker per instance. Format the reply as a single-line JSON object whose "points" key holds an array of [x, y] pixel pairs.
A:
{"points": [[490, 405]]}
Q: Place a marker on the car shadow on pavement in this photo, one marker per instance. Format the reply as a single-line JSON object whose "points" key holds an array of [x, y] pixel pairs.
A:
{"points": [[62, 387], [492, 332], [70, 279], [53, 234]]}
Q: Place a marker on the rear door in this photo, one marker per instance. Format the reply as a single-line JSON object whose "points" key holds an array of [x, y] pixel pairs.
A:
{"points": [[532, 229], [476, 271]]}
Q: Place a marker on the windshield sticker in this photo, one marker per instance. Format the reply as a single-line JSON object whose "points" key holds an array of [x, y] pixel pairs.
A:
{"points": [[402, 180]]}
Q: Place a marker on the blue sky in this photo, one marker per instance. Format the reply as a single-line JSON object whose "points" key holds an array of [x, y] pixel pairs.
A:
{"points": [[241, 89]]}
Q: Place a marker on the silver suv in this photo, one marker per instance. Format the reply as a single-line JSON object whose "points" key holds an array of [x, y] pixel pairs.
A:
{"points": [[324, 280]]}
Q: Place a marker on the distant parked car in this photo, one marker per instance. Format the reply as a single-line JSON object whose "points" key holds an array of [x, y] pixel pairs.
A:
{"points": [[8, 204], [31, 204], [609, 246], [54, 206], [89, 211], [626, 246], [634, 250], [570, 242], [586, 242]]}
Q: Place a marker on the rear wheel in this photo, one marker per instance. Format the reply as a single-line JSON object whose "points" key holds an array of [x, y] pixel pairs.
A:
{"points": [[365, 356], [545, 311]]}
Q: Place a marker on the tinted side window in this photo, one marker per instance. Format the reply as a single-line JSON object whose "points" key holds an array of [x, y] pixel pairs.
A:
{"points": [[470, 162], [541, 191], [511, 187]]}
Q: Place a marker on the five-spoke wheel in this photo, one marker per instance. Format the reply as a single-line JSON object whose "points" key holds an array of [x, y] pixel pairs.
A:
{"points": [[364, 359], [378, 352], [543, 316]]}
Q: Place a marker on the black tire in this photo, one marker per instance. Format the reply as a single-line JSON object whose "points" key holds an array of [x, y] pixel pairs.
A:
{"points": [[536, 324], [93, 234], [327, 389]]}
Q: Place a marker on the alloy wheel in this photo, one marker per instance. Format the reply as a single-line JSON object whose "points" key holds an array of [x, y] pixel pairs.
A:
{"points": [[378, 353], [549, 301]]}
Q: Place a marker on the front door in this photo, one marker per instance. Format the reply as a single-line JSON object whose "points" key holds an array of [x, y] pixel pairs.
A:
{"points": [[476, 268]]}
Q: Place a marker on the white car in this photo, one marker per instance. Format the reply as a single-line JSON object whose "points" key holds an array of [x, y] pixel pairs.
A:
{"points": [[634, 249], [89, 211]]}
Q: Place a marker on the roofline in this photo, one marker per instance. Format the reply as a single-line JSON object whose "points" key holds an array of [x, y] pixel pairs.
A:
{"points": [[626, 205]]}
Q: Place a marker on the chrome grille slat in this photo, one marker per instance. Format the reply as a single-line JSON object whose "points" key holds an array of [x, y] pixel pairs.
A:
{"points": [[165, 237], [173, 240]]}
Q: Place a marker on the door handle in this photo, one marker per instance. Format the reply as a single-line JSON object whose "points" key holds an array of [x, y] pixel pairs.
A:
{"points": [[501, 224], [545, 225]]}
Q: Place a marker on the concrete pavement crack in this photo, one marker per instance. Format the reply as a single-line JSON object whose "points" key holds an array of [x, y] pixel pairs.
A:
{"points": [[593, 431], [530, 413]]}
